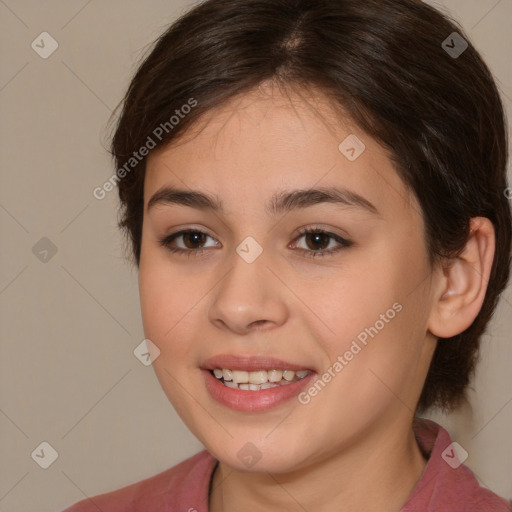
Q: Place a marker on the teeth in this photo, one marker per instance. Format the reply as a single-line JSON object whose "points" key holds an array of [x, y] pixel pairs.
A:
{"points": [[239, 377], [275, 375], [259, 379]]}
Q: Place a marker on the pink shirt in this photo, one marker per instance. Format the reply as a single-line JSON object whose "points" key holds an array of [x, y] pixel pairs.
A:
{"points": [[443, 487]]}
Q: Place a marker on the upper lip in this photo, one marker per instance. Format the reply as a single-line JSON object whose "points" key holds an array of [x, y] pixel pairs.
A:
{"points": [[250, 363]]}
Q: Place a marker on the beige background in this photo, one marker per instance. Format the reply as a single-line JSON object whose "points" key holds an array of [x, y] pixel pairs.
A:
{"points": [[69, 325]]}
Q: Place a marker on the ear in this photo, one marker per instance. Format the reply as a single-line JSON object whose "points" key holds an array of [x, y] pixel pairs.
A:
{"points": [[463, 282]]}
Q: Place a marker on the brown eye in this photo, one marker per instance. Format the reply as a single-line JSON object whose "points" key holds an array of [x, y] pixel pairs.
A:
{"points": [[193, 237], [186, 242], [317, 240], [192, 242]]}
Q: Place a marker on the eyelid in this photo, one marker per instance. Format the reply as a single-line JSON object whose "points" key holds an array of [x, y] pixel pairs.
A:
{"points": [[166, 241], [342, 242]]}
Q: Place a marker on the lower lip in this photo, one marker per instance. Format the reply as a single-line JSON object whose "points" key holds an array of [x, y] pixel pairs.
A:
{"points": [[253, 401]]}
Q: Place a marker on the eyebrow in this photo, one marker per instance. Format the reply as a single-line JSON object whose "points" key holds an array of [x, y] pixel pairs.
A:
{"points": [[280, 202]]}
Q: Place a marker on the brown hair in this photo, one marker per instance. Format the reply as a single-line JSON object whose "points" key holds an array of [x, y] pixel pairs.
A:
{"points": [[384, 62]]}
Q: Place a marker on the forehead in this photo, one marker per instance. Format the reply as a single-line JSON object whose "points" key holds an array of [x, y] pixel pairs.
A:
{"points": [[268, 140]]}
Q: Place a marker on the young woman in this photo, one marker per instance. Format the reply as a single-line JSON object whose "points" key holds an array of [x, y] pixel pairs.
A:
{"points": [[315, 194]]}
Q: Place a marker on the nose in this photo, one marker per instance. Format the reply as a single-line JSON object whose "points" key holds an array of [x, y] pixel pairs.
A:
{"points": [[249, 297]]}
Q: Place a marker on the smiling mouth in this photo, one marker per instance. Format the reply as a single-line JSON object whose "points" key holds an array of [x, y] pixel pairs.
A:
{"points": [[257, 380]]}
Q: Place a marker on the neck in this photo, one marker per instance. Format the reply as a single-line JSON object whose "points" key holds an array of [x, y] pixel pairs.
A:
{"points": [[376, 476]]}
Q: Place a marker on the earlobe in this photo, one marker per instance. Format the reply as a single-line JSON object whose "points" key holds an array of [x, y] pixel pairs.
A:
{"points": [[463, 282]]}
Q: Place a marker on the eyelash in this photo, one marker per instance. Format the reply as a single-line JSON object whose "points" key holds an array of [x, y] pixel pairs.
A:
{"points": [[344, 243]]}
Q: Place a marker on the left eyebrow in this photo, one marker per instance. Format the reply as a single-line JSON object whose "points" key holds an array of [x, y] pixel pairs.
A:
{"points": [[290, 200], [280, 202]]}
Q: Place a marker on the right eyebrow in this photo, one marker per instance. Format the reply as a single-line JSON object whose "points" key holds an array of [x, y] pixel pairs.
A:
{"points": [[280, 202]]}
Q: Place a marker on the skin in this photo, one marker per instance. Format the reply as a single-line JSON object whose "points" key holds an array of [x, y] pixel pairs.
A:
{"points": [[297, 308]]}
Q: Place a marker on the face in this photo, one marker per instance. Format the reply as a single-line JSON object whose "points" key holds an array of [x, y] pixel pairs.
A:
{"points": [[318, 302]]}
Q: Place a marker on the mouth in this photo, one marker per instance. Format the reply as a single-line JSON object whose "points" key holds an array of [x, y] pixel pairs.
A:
{"points": [[253, 384], [258, 379]]}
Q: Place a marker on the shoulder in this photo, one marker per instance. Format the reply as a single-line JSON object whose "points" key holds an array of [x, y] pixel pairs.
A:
{"points": [[446, 484], [184, 485]]}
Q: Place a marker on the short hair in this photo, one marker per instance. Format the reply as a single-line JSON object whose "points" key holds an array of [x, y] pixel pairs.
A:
{"points": [[396, 68]]}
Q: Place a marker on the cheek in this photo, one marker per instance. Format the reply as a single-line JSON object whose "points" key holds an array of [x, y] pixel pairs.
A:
{"points": [[351, 302], [381, 358], [167, 307], [376, 323], [168, 303], [156, 301]]}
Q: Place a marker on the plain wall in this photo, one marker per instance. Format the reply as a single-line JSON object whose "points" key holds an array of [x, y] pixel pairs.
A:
{"points": [[69, 325]]}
